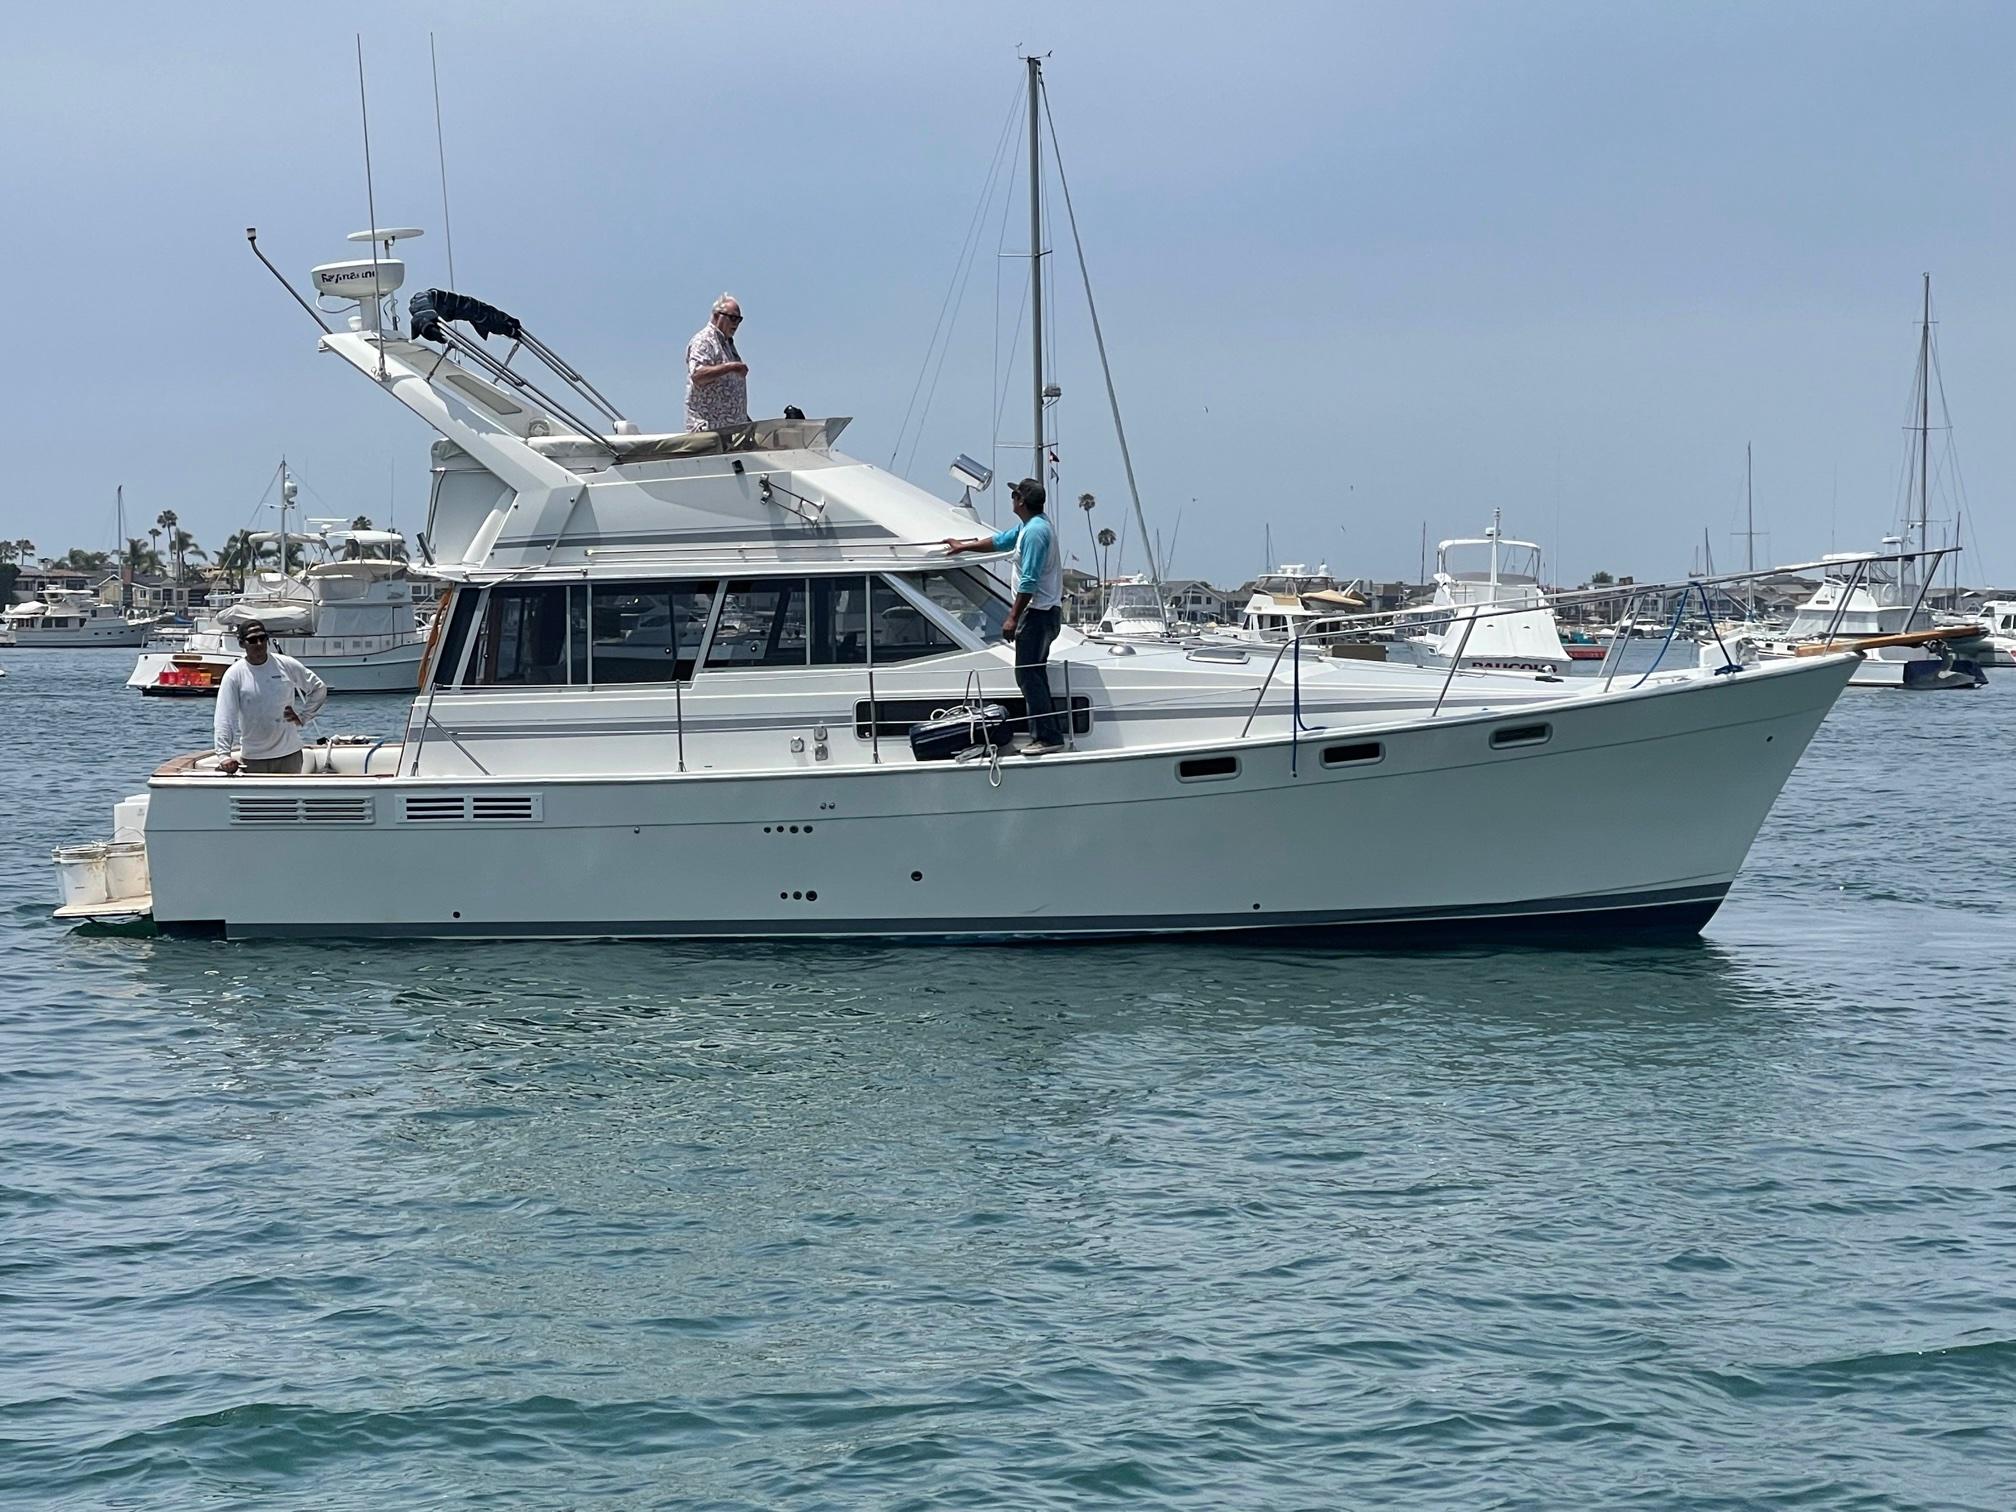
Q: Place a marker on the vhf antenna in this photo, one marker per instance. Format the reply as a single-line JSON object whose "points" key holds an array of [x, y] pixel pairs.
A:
{"points": [[370, 198], [441, 155]]}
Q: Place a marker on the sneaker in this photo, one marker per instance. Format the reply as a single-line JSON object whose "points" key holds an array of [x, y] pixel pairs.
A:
{"points": [[1042, 748]]}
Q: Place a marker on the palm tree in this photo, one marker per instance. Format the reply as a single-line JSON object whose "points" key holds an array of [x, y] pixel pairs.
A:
{"points": [[77, 559], [183, 545], [1106, 539], [362, 522], [235, 557], [1087, 503], [167, 520], [140, 556]]}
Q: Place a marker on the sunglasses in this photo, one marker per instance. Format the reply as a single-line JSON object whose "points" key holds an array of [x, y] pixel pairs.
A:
{"points": [[732, 319], [254, 640]]}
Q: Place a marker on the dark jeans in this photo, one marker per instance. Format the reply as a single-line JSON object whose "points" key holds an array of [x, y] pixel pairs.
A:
{"points": [[1032, 671], [278, 764]]}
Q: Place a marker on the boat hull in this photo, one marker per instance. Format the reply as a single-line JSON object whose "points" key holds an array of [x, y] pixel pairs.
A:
{"points": [[184, 674], [1605, 817]]}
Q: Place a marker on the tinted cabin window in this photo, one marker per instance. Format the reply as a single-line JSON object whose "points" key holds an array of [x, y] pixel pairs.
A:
{"points": [[648, 632], [969, 597], [903, 632], [460, 617], [838, 625], [524, 638], [762, 624]]}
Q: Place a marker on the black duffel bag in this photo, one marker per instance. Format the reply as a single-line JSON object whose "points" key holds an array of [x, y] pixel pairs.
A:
{"points": [[959, 730]]}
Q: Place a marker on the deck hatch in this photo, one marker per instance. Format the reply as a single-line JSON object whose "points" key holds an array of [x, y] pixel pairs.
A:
{"points": [[283, 809]]}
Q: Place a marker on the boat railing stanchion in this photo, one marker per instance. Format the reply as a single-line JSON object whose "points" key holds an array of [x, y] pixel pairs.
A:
{"points": [[679, 715], [1265, 684], [1070, 711], [426, 716], [1618, 641], [1469, 624], [1841, 604], [874, 711]]}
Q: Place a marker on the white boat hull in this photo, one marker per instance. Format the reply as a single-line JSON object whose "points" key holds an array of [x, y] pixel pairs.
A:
{"points": [[1634, 810], [391, 669], [105, 633]]}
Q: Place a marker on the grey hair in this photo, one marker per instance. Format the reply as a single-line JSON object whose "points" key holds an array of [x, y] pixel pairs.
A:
{"points": [[721, 304]]}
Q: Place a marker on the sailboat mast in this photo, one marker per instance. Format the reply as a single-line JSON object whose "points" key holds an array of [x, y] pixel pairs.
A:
{"points": [[1036, 256], [125, 556], [1925, 419], [1749, 539]]}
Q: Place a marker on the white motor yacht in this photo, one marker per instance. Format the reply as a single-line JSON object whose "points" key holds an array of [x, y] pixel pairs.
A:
{"points": [[703, 685], [349, 618], [1133, 610], [1473, 574], [1292, 603], [1874, 603], [72, 618]]}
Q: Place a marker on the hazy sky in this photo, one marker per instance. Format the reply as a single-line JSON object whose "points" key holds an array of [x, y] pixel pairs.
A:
{"points": [[1360, 266]]}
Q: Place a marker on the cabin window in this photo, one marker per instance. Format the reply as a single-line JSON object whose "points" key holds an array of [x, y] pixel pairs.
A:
{"points": [[448, 661], [1359, 753], [1207, 768], [838, 627], [972, 598], [904, 632], [762, 624], [1521, 735], [523, 640], [647, 632]]}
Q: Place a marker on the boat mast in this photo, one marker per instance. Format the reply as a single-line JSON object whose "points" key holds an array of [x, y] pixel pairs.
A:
{"points": [[1749, 540], [1925, 419], [125, 555], [1036, 256]]}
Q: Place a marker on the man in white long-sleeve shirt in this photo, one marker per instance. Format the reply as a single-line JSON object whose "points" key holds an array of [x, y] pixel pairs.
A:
{"points": [[261, 705]]}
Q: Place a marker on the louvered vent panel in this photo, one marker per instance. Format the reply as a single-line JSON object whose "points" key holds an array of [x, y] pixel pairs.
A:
{"points": [[478, 808], [265, 810], [437, 808], [331, 810], [498, 807]]}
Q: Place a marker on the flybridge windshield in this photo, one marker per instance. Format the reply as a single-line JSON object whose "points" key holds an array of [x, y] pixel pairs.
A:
{"points": [[1470, 561]]}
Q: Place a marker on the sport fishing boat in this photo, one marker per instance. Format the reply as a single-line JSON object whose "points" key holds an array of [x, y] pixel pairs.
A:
{"points": [[1134, 610], [728, 684], [1475, 574], [350, 619], [71, 618]]}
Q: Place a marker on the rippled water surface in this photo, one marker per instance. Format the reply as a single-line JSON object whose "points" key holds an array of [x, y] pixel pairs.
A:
{"points": [[633, 1226]]}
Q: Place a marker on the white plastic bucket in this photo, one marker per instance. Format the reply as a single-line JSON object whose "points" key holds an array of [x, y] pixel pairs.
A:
{"points": [[129, 818], [125, 870], [81, 871]]}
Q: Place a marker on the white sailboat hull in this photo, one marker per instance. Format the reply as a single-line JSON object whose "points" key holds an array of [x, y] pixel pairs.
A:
{"points": [[1632, 810]]}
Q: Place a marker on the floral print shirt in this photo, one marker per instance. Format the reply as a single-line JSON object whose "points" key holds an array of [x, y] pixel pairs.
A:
{"points": [[725, 401]]}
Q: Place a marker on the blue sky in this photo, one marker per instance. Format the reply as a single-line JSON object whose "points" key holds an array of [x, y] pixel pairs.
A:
{"points": [[1361, 267]]}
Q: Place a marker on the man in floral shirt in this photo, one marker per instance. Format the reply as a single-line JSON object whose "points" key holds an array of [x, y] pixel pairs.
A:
{"points": [[717, 379]]}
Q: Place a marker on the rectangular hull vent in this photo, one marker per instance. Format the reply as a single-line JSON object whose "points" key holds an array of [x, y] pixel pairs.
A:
{"points": [[474, 808], [246, 809]]}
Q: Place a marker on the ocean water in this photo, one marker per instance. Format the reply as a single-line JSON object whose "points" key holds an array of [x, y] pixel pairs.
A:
{"points": [[1727, 1225]]}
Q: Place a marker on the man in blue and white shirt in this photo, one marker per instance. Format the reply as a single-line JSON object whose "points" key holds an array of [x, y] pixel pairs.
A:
{"points": [[1038, 614]]}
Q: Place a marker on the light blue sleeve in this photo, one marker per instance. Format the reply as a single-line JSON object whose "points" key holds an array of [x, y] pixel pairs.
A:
{"points": [[1007, 538], [1035, 558]]}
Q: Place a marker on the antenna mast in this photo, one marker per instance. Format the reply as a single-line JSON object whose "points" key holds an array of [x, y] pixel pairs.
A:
{"points": [[1749, 539], [1925, 419], [1036, 256], [441, 156]]}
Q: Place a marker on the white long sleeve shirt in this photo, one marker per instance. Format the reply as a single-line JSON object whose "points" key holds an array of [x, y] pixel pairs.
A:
{"points": [[250, 701]]}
